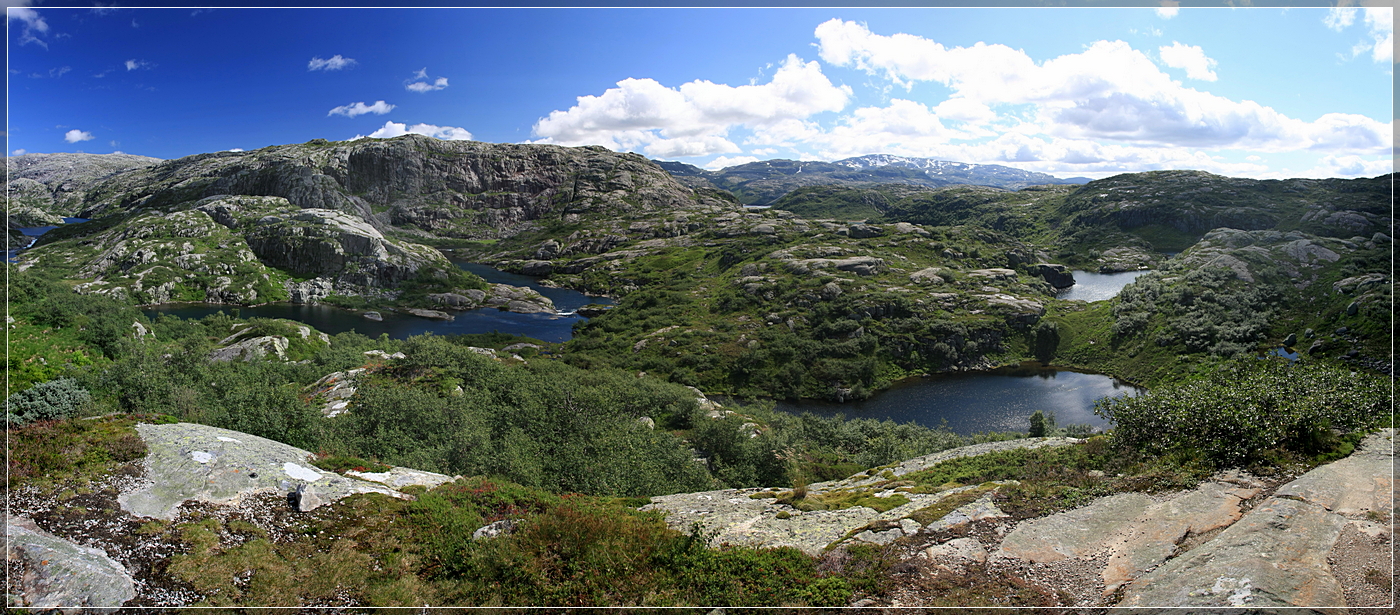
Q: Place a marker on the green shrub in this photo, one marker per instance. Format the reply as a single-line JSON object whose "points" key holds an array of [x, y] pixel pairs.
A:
{"points": [[47, 401], [1250, 406]]}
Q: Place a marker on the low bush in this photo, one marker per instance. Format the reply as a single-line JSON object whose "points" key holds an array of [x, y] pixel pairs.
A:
{"points": [[1248, 407], [47, 401]]}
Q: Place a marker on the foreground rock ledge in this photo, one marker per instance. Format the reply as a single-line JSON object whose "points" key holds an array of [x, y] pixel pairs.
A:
{"points": [[60, 574], [197, 462]]}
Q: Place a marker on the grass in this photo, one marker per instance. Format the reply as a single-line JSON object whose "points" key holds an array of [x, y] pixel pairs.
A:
{"points": [[76, 451]]}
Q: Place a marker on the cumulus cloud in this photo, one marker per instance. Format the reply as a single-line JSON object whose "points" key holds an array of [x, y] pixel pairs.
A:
{"points": [[725, 161], [421, 84], [138, 64], [1381, 22], [336, 62], [1108, 91], [1168, 12], [396, 129], [236, 149], [378, 108], [695, 118], [32, 25], [1350, 166], [75, 135], [19, 152], [1190, 58]]}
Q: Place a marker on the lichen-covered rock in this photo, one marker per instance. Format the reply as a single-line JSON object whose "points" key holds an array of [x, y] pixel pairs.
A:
{"points": [[59, 574], [185, 461], [58, 183], [252, 349]]}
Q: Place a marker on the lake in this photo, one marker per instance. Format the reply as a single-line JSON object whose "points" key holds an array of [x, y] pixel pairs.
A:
{"points": [[997, 400], [546, 327], [35, 231], [1098, 286]]}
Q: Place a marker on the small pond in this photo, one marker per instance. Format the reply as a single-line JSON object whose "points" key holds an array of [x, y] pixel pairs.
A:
{"points": [[1099, 286], [547, 327], [997, 400]]}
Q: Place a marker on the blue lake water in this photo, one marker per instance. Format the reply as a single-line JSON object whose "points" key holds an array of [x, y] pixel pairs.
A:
{"points": [[999, 400], [547, 327], [1099, 286], [35, 231]]}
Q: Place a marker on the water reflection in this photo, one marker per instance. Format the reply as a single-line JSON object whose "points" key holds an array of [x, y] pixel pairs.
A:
{"points": [[999, 400], [1099, 286]]}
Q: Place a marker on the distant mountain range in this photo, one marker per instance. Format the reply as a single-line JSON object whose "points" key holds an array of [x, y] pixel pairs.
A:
{"points": [[762, 183]]}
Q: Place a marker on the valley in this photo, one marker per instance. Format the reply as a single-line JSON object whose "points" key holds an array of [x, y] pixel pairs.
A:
{"points": [[651, 337]]}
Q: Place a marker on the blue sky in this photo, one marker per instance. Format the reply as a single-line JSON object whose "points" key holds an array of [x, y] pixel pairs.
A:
{"points": [[1073, 92]]}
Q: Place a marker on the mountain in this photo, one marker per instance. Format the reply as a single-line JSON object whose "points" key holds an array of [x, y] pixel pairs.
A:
{"points": [[43, 188], [764, 182], [961, 172]]}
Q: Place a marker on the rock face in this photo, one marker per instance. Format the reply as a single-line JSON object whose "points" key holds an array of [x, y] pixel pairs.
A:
{"points": [[452, 188], [238, 250], [738, 518], [1058, 276], [58, 574], [197, 462], [57, 183], [1276, 556]]}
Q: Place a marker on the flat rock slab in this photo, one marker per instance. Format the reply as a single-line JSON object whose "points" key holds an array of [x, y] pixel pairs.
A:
{"points": [[185, 461], [1276, 556], [1152, 538], [1076, 533], [1355, 485], [398, 478], [60, 574]]}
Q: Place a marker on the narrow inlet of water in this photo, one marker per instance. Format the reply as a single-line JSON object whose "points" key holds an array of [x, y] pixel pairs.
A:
{"points": [[1099, 286]]}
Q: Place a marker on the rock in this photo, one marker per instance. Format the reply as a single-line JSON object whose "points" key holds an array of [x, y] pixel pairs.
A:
{"points": [[520, 346], [335, 389], [647, 422], [253, 349], [304, 498], [928, 275], [1059, 276], [398, 478], [310, 291], [1356, 485], [831, 290], [981, 509], [197, 462], [140, 331], [1353, 308], [995, 273], [375, 316], [499, 528], [1291, 340], [433, 314], [764, 229], [1276, 556], [1341, 331], [59, 574], [859, 265], [537, 268], [1316, 346], [1358, 282], [593, 310], [864, 231], [958, 550], [1075, 533], [1309, 333], [1153, 537], [548, 250], [454, 301]]}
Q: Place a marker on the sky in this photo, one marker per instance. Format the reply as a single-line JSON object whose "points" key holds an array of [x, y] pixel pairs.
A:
{"points": [[1248, 92]]}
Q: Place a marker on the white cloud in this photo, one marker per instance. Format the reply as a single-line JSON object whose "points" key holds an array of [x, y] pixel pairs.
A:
{"points": [[236, 149], [378, 108], [336, 62], [1349, 166], [696, 117], [1109, 91], [1191, 58], [18, 152], [396, 129], [1339, 17], [1168, 12], [75, 135], [138, 64], [1380, 20], [424, 87], [32, 23], [725, 161]]}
